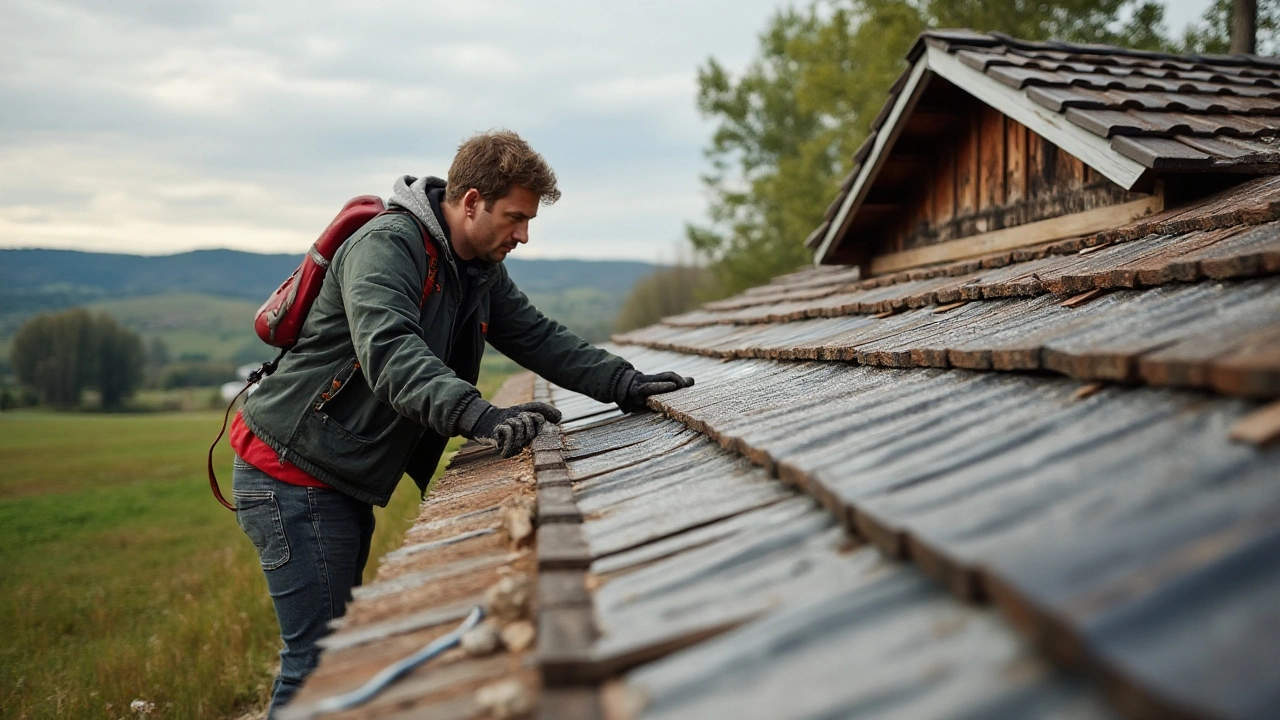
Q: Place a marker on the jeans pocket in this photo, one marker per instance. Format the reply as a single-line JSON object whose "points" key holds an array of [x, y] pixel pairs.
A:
{"points": [[259, 517]]}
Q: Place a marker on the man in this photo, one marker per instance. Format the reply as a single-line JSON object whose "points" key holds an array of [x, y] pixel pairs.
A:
{"points": [[384, 373]]}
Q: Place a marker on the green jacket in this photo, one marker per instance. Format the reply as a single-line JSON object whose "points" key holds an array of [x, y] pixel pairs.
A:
{"points": [[375, 385]]}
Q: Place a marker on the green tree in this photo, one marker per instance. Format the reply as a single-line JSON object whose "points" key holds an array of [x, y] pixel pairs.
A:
{"points": [[665, 291], [60, 354], [53, 354], [1213, 33], [1085, 21], [118, 369], [787, 127]]}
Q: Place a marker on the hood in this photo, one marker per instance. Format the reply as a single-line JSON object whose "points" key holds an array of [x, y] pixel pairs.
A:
{"points": [[410, 193]]}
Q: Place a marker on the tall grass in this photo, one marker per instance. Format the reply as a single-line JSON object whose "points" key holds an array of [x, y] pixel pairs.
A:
{"points": [[122, 579]]}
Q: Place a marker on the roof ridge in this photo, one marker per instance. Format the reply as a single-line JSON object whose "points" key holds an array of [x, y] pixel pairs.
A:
{"points": [[973, 38]]}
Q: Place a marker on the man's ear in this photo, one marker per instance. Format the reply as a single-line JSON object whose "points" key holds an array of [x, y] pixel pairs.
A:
{"points": [[471, 202]]}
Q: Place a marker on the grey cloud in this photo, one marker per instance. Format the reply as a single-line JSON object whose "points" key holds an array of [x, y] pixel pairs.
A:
{"points": [[158, 126]]}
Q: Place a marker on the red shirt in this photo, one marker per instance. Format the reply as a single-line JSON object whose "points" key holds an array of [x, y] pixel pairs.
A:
{"points": [[262, 456]]}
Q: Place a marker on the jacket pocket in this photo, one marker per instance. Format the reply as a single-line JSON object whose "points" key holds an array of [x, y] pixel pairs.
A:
{"points": [[364, 461], [259, 517], [356, 413]]}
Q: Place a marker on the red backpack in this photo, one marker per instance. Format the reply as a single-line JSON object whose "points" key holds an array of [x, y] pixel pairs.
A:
{"points": [[280, 319]]}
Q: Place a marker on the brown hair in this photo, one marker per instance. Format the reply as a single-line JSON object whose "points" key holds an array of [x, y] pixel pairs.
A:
{"points": [[493, 163]]}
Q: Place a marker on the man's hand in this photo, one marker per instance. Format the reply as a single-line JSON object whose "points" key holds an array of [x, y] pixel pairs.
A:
{"points": [[510, 428], [636, 387]]}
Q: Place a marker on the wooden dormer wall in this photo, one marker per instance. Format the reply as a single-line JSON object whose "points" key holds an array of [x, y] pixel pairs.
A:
{"points": [[990, 172]]}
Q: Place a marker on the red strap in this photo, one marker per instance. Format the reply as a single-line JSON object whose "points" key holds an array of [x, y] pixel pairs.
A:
{"points": [[213, 479], [433, 256], [267, 368]]}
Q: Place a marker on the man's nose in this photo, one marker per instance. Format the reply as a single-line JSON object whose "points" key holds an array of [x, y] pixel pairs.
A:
{"points": [[521, 235]]}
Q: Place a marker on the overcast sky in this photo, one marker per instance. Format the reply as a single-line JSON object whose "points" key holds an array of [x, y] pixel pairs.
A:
{"points": [[158, 126]]}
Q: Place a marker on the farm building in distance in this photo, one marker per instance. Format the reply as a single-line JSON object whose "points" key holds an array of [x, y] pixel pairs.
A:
{"points": [[1009, 450]]}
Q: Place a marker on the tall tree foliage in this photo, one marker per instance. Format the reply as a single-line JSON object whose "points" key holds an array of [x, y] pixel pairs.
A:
{"points": [[665, 291], [787, 127], [61, 354], [1213, 33]]}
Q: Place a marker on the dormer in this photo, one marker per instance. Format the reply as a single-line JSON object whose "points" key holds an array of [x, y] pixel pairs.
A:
{"points": [[988, 143]]}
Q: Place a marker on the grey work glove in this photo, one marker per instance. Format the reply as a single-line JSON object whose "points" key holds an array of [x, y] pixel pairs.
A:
{"points": [[636, 387], [510, 428]]}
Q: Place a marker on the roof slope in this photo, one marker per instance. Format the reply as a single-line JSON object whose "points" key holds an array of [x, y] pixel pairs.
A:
{"points": [[691, 546], [1055, 430], [1130, 115]]}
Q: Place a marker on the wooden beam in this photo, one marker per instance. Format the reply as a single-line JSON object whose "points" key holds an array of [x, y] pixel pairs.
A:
{"points": [[991, 159], [1015, 162], [1094, 150], [1260, 427], [967, 167], [1034, 233], [944, 187]]}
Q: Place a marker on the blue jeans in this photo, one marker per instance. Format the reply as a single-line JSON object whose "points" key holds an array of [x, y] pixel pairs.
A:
{"points": [[313, 544]]}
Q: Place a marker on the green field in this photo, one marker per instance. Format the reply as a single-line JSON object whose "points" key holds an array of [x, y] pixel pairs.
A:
{"points": [[123, 579]]}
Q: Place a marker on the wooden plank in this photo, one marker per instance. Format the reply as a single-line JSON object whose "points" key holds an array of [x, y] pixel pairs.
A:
{"points": [[558, 703], [561, 546], [1069, 172], [547, 460], [1015, 162], [565, 637], [991, 153], [943, 189], [924, 218], [560, 588], [1083, 298], [1260, 427], [1187, 363], [1132, 596], [1161, 153], [1249, 372], [550, 438], [554, 478], [1039, 165], [895, 646], [1021, 236], [556, 505], [967, 168]]}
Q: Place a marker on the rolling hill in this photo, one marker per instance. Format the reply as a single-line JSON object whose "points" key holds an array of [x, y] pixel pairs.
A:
{"points": [[202, 303]]}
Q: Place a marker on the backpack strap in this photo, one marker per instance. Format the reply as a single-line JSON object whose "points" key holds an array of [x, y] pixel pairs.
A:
{"points": [[254, 377], [429, 285]]}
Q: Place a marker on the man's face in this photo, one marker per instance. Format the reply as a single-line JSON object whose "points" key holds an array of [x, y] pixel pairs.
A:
{"points": [[496, 230]]}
